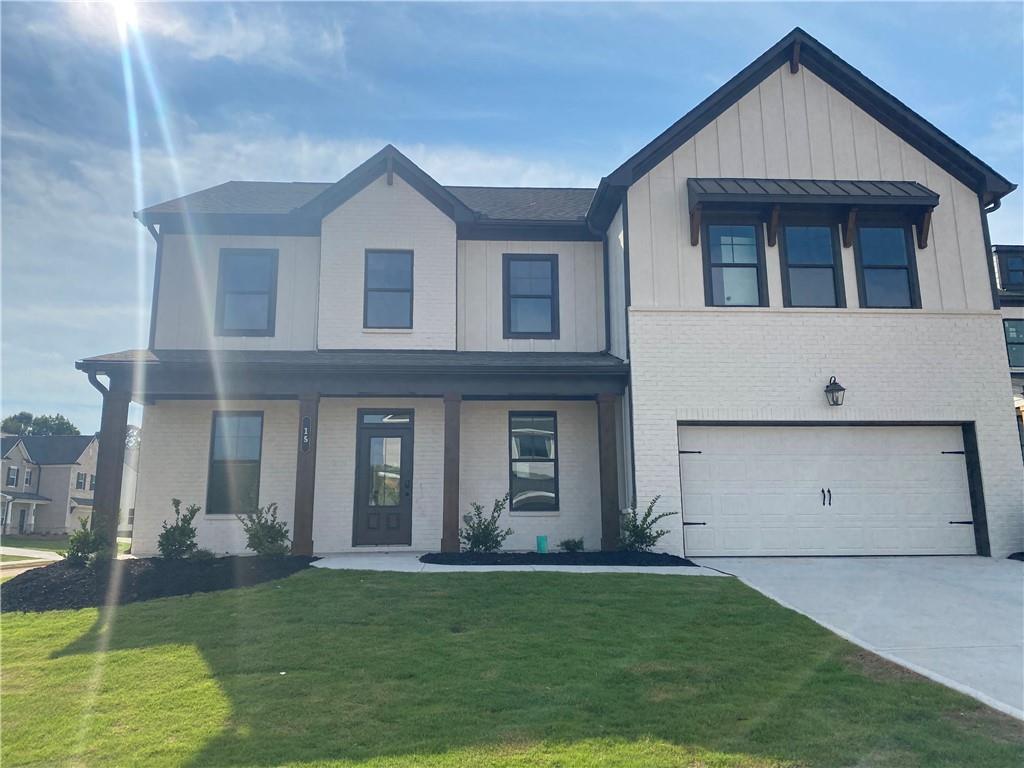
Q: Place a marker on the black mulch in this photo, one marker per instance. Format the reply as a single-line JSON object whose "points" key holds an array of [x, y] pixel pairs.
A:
{"points": [[555, 558], [1017, 556], [62, 585]]}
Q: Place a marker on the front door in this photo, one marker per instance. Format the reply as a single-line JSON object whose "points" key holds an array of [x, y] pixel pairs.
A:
{"points": [[21, 519], [383, 504]]}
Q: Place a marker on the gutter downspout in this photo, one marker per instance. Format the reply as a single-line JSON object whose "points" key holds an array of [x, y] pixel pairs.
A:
{"points": [[97, 384]]}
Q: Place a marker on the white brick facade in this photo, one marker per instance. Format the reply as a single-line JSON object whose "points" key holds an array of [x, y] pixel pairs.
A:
{"points": [[174, 461], [772, 365]]}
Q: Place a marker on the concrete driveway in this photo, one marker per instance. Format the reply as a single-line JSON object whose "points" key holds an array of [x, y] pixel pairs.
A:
{"points": [[957, 620]]}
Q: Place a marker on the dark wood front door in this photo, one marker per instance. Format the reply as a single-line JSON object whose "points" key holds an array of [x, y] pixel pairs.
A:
{"points": [[383, 504]]}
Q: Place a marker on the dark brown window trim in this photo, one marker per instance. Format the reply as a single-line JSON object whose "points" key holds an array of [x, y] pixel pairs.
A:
{"points": [[554, 506], [739, 220], [219, 329], [210, 460], [410, 291], [1006, 337], [12, 472], [506, 261], [811, 220], [908, 233]]}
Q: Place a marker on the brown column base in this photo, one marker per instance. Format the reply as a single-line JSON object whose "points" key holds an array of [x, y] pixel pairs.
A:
{"points": [[450, 500], [608, 462]]}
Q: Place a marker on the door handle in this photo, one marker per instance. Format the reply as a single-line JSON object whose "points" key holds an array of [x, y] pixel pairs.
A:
{"points": [[830, 497], [823, 497]]}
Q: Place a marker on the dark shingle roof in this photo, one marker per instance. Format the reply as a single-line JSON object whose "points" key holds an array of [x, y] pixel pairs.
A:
{"points": [[82, 501], [56, 449], [281, 197], [8, 443], [25, 496], [816, 191]]}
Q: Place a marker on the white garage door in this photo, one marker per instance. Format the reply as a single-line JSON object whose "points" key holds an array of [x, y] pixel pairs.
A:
{"points": [[824, 491]]}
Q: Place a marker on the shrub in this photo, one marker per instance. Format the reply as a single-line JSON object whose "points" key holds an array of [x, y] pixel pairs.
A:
{"points": [[638, 533], [178, 540], [571, 545], [481, 532], [85, 545], [264, 533]]}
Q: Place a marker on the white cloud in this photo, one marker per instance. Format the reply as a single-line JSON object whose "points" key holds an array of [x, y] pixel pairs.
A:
{"points": [[252, 32]]}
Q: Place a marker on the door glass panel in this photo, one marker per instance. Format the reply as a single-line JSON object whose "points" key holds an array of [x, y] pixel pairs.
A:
{"points": [[385, 471]]}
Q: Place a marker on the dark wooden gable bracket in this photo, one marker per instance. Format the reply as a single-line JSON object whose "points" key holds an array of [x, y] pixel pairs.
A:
{"points": [[773, 225], [848, 227], [924, 225], [794, 58], [695, 224]]}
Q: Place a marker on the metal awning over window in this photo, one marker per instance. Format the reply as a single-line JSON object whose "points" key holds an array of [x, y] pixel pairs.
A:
{"points": [[846, 198]]}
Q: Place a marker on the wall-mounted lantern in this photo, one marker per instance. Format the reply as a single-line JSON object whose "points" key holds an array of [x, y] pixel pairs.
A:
{"points": [[834, 392]]}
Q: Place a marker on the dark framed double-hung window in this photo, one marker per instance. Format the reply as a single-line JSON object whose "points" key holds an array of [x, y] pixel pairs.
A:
{"points": [[80, 478], [533, 461], [734, 271], [387, 289], [530, 305], [12, 476], [812, 267], [886, 266], [1014, 331], [233, 484], [1011, 267], [246, 292]]}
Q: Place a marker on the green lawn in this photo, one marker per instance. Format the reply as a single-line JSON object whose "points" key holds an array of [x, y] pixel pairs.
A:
{"points": [[49, 543], [512, 669], [14, 558]]}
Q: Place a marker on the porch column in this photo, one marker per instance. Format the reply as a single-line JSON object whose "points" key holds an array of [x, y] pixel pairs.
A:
{"points": [[450, 497], [110, 464], [305, 475], [608, 464]]}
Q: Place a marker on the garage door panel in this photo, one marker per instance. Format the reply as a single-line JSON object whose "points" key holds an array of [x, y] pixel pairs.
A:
{"points": [[758, 490]]}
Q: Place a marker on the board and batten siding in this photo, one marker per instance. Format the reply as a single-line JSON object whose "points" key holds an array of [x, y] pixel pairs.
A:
{"points": [[187, 301], [617, 287], [797, 126], [384, 217], [481, 296]]}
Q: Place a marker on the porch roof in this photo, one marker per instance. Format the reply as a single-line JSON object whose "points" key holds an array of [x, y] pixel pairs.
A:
{"points": [[23, 496], [255, 374]]}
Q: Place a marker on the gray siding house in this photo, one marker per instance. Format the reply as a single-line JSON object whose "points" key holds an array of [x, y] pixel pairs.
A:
{"points": [[781, 316]]}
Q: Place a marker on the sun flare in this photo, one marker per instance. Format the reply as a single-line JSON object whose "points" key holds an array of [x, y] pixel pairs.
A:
{"points": [[126, 15]]}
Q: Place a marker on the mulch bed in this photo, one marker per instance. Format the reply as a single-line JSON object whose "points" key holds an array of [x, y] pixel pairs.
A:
{"points": [[556, 558], [65, 586]]}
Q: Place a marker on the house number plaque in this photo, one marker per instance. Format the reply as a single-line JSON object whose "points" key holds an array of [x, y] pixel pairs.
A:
{"points": [[307, 433]]}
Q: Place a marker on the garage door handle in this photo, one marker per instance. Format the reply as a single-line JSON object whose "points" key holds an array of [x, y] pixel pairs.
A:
{"points": [[823, 497], [961, 522], [686, 523], [830, 497]]}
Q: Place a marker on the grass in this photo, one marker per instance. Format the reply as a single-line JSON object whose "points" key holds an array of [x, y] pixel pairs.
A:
{"points": [[49, 543], [14, 558], [535, 669]]}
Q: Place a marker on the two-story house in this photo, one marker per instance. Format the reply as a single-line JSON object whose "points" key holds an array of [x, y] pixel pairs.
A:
{"points": [[48, 482], [1009, 261], [780, 316]]}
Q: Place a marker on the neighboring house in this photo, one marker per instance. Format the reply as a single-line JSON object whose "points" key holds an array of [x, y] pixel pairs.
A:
{"points": [[129, 484], [54, 481], [1010, 269], [377, 353]]}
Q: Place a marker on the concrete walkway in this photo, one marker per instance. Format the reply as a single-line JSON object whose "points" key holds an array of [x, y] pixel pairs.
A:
{"points": [[956, 620], [35, 554], [408, 562]]}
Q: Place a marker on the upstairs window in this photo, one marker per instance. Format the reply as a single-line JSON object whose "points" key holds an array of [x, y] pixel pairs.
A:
{"points": [[387, 289], [92, 482], [1014, 330], [812, 272], [530, 305], [233, 487], [734, 274], [246, 292], [28, 478], [533, 461], [1011, 266], [886, 268], [80, 481], [12, 477]]}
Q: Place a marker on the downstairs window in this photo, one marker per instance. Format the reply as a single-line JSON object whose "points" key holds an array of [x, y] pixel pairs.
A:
{"points": [[236, 441]]}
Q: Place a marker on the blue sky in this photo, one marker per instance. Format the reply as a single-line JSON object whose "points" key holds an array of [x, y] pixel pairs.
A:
{"points": [[518, 94]]}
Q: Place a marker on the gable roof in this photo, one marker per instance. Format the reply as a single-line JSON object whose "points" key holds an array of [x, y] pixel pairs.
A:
{"points": [[804, 50], [56, 449], [8, 443]]}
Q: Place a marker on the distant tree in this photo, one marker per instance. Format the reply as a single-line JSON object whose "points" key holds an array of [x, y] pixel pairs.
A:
{"points": [[18, 424], [25, 423]]}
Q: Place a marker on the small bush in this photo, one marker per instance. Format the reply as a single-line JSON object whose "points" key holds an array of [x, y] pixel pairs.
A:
{"points": [[481, 532], [638, 533], [178, 540], [84, 545], [264, 533], [202, 555], [571, 545]]}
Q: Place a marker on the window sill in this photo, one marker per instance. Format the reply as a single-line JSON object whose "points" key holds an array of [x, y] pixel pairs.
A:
{"points": [[535, 513], [387, 330]]}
